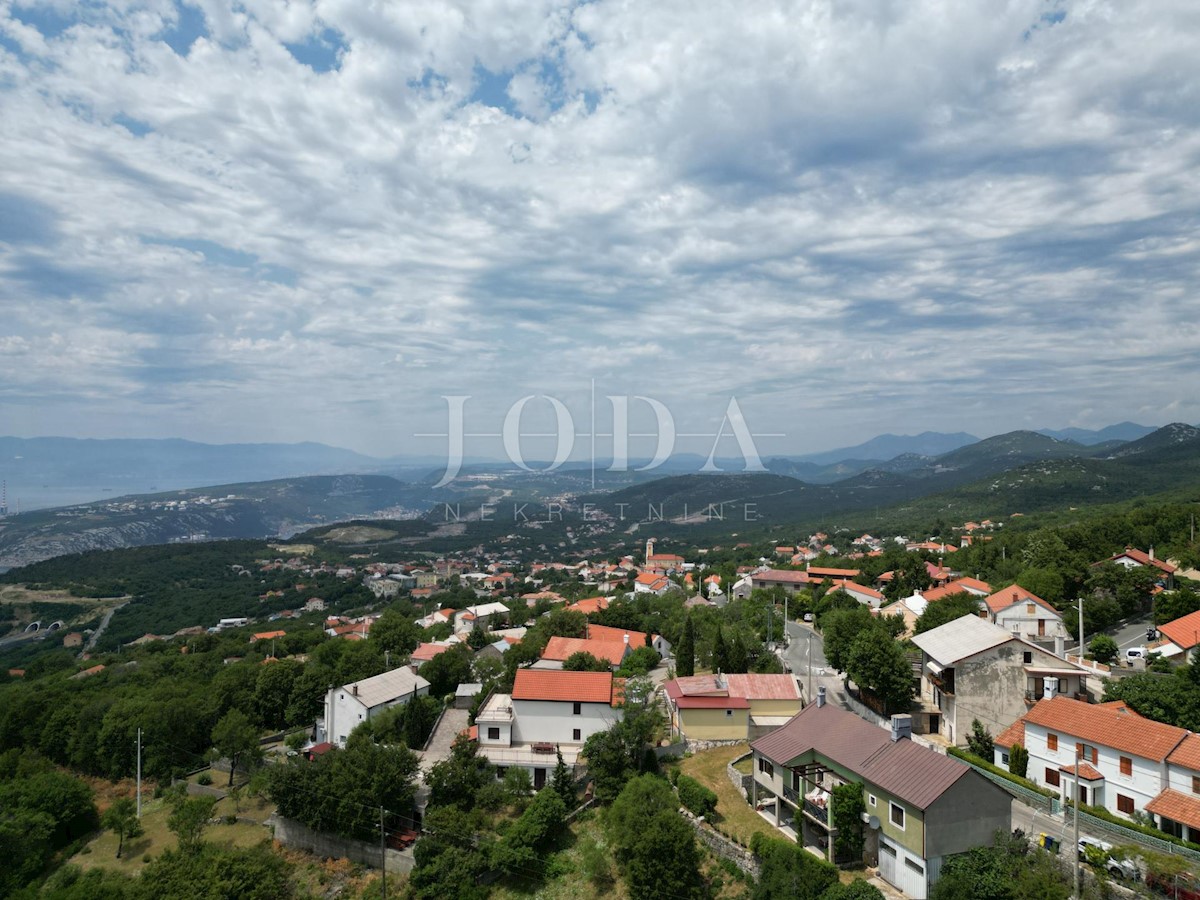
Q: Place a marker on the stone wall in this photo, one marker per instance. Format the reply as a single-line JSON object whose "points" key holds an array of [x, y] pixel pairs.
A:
{"points": [[701, 746], [736, 778], [291, 833], [722, 847]]}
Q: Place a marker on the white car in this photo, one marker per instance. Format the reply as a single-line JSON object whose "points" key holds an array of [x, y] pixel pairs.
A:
{"points": [[1117, 868], [1135, 653]]}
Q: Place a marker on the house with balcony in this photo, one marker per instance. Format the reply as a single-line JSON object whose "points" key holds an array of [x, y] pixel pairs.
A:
{"points": [[920, 806], [548, 710], [730, 707], [973, 669]]}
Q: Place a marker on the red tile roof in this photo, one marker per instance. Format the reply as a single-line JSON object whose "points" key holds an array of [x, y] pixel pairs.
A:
{"points": [[1143, 559], [616, 635], [1010, 596], [746, 687], [1109, 726], [1013, 734], [426, 652], [1184, 632], [783, 576], [946, 590], [589, 605], [552, 684], [1177, 807], [267, 635]]}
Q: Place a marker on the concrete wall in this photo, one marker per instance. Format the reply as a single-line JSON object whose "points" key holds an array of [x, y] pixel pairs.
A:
{"points": [[775, 707], [291, 833], [967, 815], [1017, 618], [990, 687]]}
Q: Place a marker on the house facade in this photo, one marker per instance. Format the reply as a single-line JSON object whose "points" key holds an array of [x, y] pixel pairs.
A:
{"points": [[972, 669], [548, 710], [1025, 614], [921, 806], [730, 707], [350, 705], [1127, 763]]}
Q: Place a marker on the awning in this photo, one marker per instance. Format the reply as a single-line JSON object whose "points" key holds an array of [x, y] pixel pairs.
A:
{"points": [[933, 667], [770, 721]]}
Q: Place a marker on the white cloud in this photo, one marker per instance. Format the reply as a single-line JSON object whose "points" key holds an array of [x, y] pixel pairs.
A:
{"points": [[872, 216]]}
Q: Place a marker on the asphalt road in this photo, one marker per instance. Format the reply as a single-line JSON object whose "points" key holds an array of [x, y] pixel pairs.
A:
{"points": [[805, 655]]}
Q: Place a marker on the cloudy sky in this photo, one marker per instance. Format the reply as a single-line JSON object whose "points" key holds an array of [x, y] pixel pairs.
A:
{"points": [[290, 220]]}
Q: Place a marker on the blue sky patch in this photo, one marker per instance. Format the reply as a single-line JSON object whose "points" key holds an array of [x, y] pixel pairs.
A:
{"points": [[320, 52], [491, 89], [133, 126], [189, 27]]}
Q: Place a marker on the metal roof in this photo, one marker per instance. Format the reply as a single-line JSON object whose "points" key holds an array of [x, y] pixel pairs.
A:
{"points": [[906, 770], [385, 688], [961, 638]]}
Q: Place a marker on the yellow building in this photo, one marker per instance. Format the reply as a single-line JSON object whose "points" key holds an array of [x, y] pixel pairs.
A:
{"points": [[730, 707]]}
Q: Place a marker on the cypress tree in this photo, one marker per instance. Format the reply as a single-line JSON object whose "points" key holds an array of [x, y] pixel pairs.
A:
{"points": [[685, 654]]}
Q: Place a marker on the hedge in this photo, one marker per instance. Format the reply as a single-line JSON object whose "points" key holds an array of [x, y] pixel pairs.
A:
{"points": [[1003, 773], [695, 796]]}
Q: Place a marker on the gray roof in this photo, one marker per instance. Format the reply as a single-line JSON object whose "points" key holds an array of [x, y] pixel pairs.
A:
{"points": [[963, 637], [915, 774], [468, 689], [386, 688]]}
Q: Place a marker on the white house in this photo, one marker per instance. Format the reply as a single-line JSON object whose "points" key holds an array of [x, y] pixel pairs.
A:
{"points": [[1024, 613], [482, 615], [348, 706], [651, 583], [863, 594], [548, 709], [1127, 763]]}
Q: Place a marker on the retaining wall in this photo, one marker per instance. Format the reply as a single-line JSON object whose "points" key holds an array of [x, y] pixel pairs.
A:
{"points": [[722, 847], [738, 779], [291, 833]]}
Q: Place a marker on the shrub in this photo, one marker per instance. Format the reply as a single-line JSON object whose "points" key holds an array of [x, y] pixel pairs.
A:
{"points": [[695, 796], [205, 779]]}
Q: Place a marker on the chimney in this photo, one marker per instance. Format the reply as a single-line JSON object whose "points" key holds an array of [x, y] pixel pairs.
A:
{"points": [[354, 689], [627, 639], [1060, 646], [821, 696], [1049, 687], [1151, 553], [901, 727]]}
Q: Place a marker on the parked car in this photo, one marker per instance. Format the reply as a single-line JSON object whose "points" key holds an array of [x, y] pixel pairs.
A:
{"points": [[1117, 868], [808, 617], [1135, 653]]}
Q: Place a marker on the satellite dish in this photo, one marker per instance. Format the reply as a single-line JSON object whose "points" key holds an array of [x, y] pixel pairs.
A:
{"points": [[870, 821]]}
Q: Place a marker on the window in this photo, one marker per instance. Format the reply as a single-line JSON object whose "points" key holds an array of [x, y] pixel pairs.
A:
{"points": [[576, 735], [729, 713], [1125, 804], [1196, 784], [1028, 657], [493, 734], [1051, 742], [1003, 758], [1030, 609], [578, 710], [1052, 777], [885, 847], [766, 768], [501, 771], [912, 865], [897, 816], [871, 800], [1126, 765], [1086, 752]]}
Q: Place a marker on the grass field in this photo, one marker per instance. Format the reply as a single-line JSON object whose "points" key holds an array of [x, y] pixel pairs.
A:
{"points": [[101, 852], [734, 815]]}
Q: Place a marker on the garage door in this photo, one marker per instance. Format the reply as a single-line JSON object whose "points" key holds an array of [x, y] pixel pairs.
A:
{"points": [[902, 869]]}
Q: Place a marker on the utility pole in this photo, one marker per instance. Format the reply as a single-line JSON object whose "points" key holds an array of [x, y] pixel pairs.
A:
{"points": [[383, 852], [808, 659], [1080, 604], [1076, 847], [786, 597], [139, 773]]}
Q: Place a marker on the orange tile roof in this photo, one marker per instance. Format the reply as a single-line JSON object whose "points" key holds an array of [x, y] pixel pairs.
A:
{"points": [[1143, 558], [1177, 807], [267, 635], [851, 587], [1117, 727], [946, 590], [1009, 596], [1184, 632], [1187, 754], [551, 684], [589, 605], [832, 573], [616, 635], [1013, 734], [1087, 772], [559, 648], [427, 652]]}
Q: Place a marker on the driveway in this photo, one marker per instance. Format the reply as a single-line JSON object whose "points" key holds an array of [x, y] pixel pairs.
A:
{"points": [[453, 722]]}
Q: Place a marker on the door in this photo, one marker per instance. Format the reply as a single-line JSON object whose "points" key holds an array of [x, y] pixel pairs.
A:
{"points": [[1041, 627], [539, 778], [887, 861]]}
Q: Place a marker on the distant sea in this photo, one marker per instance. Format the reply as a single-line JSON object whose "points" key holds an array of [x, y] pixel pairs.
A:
{"points": [[29, 498]]}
